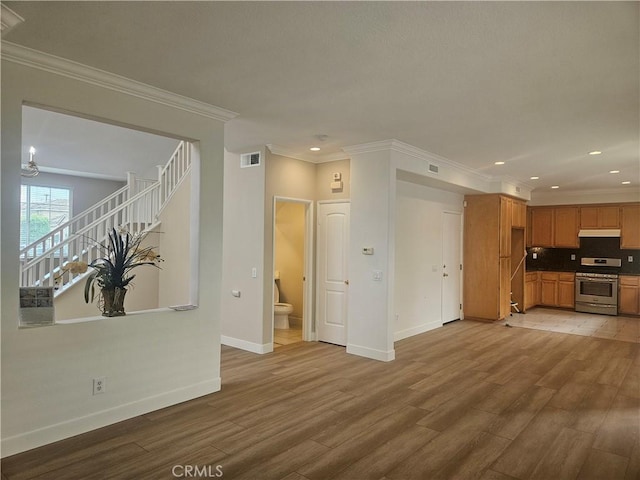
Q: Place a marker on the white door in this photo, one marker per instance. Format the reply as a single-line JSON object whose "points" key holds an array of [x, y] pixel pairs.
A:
{"points": [[451, 261], [333, 280]]}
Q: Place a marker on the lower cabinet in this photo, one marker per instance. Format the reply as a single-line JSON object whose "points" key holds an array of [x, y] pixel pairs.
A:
{"points": [[556, 289], [531, 290], [629, 295]]}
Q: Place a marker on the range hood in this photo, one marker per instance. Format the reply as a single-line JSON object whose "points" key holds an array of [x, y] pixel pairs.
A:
{"points": [[602, 232]]}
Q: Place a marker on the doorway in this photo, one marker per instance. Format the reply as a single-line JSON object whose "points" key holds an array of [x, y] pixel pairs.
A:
{"points": [[451, 266], [292, 270]]}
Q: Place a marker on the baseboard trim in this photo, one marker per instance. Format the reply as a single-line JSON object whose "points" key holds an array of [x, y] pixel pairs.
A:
{"points": [[245, 345], [367, 352], [410, 332], [53, 433]]}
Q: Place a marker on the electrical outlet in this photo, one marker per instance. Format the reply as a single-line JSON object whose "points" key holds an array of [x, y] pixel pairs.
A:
{"points": [[377, 275], [630, 259], [99, 385], [573, 256]]}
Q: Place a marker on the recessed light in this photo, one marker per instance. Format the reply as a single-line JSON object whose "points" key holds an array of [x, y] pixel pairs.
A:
{"points": [[614, 171], [535, 178], [626, 182], [555, 186], [315, 149], [595, 152], [498, 163]]}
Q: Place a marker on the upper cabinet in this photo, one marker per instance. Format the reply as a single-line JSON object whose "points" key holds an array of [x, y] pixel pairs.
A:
{"points": [[558, 226], [518, 214], [554, 227], [630, 226], [542, 227], [600, 216], [565, 231]]}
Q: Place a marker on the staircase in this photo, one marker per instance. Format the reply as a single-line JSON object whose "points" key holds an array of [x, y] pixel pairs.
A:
{"points": [[136, 207]]}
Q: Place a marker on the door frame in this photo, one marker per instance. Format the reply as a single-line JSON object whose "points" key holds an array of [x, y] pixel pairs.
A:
{"points": [[308, 333], [461, 250]]}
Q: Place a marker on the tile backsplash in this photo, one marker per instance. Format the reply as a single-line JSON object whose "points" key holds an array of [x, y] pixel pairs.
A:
{"points": [[559, 259]]}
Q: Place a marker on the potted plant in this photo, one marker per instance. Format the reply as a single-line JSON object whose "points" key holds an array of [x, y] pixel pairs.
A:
{"points": [[112, 272]]}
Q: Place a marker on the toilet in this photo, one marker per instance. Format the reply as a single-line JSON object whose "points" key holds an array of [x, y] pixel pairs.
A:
{"points": [[281, 311]]}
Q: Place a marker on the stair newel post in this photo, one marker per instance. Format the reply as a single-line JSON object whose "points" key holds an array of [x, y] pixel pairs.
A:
{"points": [[161, 189]]}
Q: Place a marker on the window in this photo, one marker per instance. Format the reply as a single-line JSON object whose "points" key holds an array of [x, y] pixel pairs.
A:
{"points": [[42, 210]]}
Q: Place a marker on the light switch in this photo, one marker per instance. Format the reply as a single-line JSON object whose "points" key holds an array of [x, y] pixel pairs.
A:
{"points": [[367, 250], [377, 275], [535, 256], [235, 293], [254, 272]]}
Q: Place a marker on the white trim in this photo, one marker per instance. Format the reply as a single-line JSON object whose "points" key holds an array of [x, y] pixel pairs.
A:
{"points": [[371, 353], [77, 71], [310, 157], [52, 433], [409, 150], [410, 332], [335, 200], [8, 18], [245, 345]]}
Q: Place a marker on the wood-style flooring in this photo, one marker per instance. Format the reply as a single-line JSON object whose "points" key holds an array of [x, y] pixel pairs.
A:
{"points": [[469, 400]]}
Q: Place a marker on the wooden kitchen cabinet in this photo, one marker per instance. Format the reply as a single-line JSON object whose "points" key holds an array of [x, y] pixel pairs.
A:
{"points": [[488, 263], [565, 231], [629, 295], [555, 227], [566, 290], [630, 226], [557, 289], [518, 214], [505, 226], [600, 217], [532, 290], [542, 227]]}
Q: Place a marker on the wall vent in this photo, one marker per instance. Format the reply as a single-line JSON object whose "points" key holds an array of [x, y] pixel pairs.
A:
{"points": [[250, 159], [518, 189], [433, 168]]}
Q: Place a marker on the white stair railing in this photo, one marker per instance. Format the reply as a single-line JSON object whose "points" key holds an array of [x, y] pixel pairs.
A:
{"points": [[171, 175], [135, 207], [136, 214], [65, 230]]}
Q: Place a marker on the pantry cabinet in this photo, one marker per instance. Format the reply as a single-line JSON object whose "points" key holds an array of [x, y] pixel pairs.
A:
{"points": [[493, 248], [629, 295]]}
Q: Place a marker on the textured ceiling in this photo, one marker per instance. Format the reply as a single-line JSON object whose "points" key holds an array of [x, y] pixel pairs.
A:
{"points": [[534, 84]]}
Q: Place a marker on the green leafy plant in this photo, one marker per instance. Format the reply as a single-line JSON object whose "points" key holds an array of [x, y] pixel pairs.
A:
{"points": [[121, 253]]}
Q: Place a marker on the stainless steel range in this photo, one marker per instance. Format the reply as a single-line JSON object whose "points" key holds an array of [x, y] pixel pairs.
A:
{"points": [[597, 286]]}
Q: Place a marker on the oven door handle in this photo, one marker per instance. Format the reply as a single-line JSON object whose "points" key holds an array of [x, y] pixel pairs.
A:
{"points": [[604, 280], [605, 305]]}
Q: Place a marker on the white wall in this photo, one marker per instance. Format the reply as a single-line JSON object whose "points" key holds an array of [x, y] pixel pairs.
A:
{"points": [[151, 360], [418, 250], [174, 283], [244, 243], [369, 331]]}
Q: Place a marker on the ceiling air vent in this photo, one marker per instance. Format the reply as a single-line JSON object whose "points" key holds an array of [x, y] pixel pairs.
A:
{"points": [[433, 168], [250, 159]]}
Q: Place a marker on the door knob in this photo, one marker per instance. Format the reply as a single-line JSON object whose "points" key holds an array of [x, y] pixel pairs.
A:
{"points": [[445, 274], [346, 282]]}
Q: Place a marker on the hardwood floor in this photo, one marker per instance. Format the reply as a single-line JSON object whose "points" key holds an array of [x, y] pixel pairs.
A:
{"points": [[469, 400]]}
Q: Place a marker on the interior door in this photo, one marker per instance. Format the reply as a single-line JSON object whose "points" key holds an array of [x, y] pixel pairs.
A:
{"points": [[451, 261], [333, 280]]}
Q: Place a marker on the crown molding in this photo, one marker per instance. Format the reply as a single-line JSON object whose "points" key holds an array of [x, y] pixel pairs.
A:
{"points": [[8, 18], [310, 158], [61, 66], [406, 149]]}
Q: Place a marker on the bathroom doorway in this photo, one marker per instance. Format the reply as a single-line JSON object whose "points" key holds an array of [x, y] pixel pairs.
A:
{"points": [[292, 270]]}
